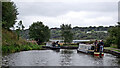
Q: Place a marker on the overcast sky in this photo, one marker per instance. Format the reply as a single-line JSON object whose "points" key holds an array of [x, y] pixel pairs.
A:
{"points": [[81, 13]]}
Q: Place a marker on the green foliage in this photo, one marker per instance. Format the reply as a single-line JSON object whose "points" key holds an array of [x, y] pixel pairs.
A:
{"points": [[39, 32], [118, 35], [70, 45], [10, 38], [114, 36], [66, 33], [79, 33], [108, 42], [9, 14], [12, 48], [55, 34], [11, 44], [20, 27]]}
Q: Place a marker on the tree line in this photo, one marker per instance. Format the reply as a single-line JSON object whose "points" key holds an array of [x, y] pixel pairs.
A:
{"points": [[78, 33], [82, 32]]}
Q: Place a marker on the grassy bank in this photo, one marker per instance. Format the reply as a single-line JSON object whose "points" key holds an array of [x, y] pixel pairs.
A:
{"points": [[12, 48], [112, 49], [11, 43]]}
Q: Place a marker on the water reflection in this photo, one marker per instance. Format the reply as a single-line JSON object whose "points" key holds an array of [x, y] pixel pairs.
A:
{"points": [[66, 57], [119, 61], [98, 61], [57, 50], [62, 57], [66, 51]]}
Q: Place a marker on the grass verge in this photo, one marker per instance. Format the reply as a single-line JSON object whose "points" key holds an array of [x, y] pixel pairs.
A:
{"points": [[12, 48], [113, 49], [11, 43]]}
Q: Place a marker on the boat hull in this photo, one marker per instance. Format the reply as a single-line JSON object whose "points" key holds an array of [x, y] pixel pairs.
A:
{"points": [[54, 48], [87, 52], [98, 54]]}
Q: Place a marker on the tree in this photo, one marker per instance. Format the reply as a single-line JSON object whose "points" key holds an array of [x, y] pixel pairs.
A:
{"points": [[20, 27], [118, 35], [66, 33], [114, 35], [39, 32], [9, 14]]}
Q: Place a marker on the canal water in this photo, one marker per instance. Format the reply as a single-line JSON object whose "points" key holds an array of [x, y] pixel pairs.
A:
{"points": [[64, 57]]}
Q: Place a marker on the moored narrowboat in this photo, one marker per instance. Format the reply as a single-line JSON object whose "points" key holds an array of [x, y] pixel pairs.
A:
{"points": [[52, 46], [89, 49]]}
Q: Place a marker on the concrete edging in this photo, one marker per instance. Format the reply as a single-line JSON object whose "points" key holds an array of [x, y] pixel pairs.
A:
{"points": [[112, 52]]}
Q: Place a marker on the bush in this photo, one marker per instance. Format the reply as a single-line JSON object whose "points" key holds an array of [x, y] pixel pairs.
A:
{"points": [[107, 44]]}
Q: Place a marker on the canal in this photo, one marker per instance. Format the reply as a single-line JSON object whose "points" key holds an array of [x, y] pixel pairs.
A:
{"points": [[64, 57]]}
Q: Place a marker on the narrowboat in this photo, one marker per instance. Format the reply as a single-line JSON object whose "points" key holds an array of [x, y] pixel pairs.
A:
{"points": [[51, 46], [55, 47], [89, 49]]}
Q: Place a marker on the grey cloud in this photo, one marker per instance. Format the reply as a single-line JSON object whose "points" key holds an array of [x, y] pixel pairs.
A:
{"points": [[59, 8], [29, 10]]}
